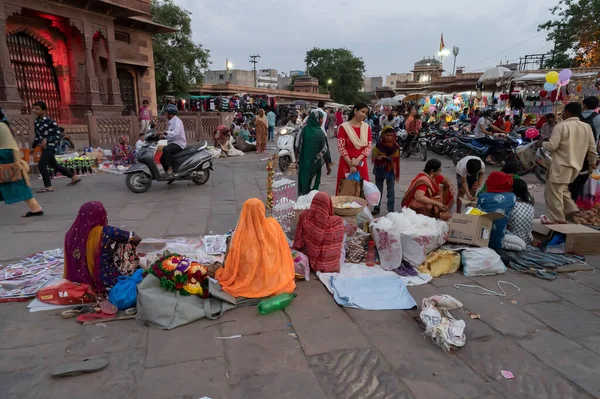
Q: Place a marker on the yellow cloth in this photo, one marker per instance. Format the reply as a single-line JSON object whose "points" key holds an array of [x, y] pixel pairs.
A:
{"points": [[571, 141], [440, 262], [91, 249], [359, 142], [7, 142], [259, 263]]}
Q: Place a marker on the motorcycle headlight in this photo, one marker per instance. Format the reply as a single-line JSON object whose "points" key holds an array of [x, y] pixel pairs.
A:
{"points": [[283, 132]]}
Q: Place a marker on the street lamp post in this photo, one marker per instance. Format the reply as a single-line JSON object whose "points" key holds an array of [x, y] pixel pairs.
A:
{"points": [[329, 83], [228, 67], [455, 53]]}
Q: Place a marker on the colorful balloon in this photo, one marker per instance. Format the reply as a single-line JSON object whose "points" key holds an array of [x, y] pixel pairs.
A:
{"points": [[432, 109], [543, 93], [579, 88], [552, 77], [549, 86], [532, 133], [565, 75]]}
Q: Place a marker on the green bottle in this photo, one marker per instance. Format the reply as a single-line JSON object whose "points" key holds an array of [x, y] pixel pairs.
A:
{"points": [[272, 304]]}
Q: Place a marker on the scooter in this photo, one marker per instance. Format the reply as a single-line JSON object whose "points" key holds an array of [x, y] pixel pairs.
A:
{"points": [[285, 147], [193, 163]]}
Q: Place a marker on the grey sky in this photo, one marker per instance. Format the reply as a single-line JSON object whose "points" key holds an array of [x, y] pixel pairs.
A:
{"points": [[389, 35]]}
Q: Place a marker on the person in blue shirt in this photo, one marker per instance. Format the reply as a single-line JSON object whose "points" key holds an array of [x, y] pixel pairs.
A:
{"points": [[271, 119], [464, 117], [498, 198]]}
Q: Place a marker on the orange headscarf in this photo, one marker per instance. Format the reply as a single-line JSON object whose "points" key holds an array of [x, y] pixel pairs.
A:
{"points": [[259, 263]]}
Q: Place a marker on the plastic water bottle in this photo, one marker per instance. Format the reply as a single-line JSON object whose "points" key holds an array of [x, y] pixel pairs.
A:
{"points": [[275, 303], [371, 254]]}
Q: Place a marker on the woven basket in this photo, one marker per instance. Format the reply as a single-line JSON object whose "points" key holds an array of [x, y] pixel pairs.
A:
{"points": [[341, 200]]}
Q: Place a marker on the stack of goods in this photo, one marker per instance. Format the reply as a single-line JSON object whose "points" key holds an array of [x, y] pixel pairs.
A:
{"points": [[590, 217], [407, 236], [178, 273], [78, 165], [284, 193], [25, 278]]}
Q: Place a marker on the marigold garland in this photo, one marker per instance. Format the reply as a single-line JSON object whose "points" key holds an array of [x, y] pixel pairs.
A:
{"points": [[178, 273]]}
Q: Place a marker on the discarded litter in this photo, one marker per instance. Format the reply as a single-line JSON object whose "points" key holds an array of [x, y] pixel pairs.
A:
{"points": [[275, 303], [445, 330], [507, 374], [101, 325], [230, 337], [293, 335], [514, 302], [474, 315]]}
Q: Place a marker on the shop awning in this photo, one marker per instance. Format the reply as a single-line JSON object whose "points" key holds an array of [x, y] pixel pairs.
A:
{"points": [[541, 77], [144, 24]]}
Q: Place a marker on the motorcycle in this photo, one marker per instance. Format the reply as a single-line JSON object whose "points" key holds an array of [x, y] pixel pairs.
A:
{"points": [[193, 163], [417, 145], [285, 147], [506, 152], [543, 159]]}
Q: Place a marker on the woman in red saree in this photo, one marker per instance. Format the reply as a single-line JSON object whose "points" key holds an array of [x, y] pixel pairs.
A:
{"points": [[430, 193], [354, 144]]}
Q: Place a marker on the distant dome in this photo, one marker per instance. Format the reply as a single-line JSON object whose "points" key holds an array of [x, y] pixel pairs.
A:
{"points": [[428, 62]]}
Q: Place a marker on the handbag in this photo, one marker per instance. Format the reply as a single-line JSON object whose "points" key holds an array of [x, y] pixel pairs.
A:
{"points": [[350, 188], [168, 310], [10, 173], [66, 292]]}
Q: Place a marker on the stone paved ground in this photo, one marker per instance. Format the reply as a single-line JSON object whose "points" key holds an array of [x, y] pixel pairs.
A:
{"points": [[549, 338]]}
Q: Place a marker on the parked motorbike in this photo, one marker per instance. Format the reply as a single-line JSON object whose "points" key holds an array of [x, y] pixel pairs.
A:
{"points": [[506, 152], [285, 147], [417, 144], [193, 163]]}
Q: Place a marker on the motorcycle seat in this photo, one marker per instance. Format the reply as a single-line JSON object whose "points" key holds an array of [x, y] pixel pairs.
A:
{"points": [[189, 150]]}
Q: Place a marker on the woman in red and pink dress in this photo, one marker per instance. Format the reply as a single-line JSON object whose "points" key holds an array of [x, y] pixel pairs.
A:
{"points": [[354, 144]]}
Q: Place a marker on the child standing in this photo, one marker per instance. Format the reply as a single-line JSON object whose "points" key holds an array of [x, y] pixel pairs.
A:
{"points": [[386, 158], [145, 114]]}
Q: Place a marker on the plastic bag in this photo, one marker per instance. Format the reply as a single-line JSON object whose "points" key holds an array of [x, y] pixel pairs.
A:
{"points": [[440, 262], [481, 262], [124, 294], [590, 194], [372, 193], [354, 176]]}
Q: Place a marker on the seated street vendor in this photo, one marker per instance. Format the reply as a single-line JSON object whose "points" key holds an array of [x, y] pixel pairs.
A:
{"points": [[244, 140], [498, 198], [430, 193], [122, 152], [259, 263], [520, 220], [96, 253], [320, 235]]}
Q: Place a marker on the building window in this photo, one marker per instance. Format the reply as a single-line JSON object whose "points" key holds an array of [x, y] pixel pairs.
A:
{"points": [[221, 77], [121, 36]]}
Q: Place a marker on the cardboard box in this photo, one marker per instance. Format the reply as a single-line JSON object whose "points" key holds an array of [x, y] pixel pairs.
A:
{"points": [[578, 238], [472, 229]]}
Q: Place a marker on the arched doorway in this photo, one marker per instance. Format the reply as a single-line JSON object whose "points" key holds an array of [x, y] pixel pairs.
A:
{"points": [[126, 82], [36, 78]]}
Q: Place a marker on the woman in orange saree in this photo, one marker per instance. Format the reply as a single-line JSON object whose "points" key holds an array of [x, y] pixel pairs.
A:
{"points": [[259, 263], [430, 193]]}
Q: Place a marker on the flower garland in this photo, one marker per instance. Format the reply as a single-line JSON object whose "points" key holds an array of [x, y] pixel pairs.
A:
{"points": [[178, 273], [270, 175]]}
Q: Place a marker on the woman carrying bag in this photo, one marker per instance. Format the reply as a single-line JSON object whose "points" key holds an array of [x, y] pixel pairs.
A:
{"points": [[14, 172]]}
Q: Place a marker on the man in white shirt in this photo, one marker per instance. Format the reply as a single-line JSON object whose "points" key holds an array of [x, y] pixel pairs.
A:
{"points": [[175, 136], [140, 142], [469, 177]]}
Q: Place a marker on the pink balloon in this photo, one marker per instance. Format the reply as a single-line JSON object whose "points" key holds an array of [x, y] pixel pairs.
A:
{"points": [[432, 109], [532, 133]]}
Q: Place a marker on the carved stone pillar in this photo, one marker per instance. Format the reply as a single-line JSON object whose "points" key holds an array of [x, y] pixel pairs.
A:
{"points": [[62, 75], [112, 83], [92, 94], [10, 100]]}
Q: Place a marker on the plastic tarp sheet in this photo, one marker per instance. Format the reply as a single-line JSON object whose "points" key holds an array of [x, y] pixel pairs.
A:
{"points": [[370, 288]]}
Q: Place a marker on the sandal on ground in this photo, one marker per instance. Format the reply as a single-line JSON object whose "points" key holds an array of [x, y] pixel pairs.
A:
{"points": [[74, 182], [108, 308], [76, 311], [31, 214], [44, 190], [86, 366], [83, 318], [131, 311]]}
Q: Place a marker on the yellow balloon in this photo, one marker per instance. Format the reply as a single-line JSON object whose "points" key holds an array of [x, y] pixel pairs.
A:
{"points": [[552, 77]]}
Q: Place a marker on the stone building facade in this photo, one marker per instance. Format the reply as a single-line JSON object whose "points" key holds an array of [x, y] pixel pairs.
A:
{"points": [[77, 56]]}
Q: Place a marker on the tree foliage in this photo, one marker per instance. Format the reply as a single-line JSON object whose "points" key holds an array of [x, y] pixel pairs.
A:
{"points": [[178, 61], [341, 66], [576, 33]]}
